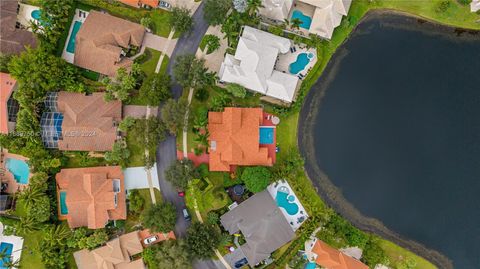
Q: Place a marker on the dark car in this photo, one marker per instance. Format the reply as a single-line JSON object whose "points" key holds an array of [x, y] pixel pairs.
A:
{"points": [[241, 263]]}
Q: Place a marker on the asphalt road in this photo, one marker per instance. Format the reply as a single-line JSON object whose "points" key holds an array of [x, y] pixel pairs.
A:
{"points": [[166, 150]]}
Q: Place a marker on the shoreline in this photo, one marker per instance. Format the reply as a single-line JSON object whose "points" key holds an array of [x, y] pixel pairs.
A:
{"points": [[324, 187]]}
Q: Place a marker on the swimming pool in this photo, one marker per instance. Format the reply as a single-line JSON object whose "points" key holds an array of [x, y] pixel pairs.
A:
{"points": [[19, 169], [302, 60], [73, 34], [311, 265], [36, 14], [287, 202], [266, 135], [5, 248], [63, 203], [306, 20]]}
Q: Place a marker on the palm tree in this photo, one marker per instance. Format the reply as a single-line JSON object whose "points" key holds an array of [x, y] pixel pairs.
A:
{"points": [[10, 263], [253, 6], [26, 225], [56, 235], [202, 139], [31, 195], [296, 22]]}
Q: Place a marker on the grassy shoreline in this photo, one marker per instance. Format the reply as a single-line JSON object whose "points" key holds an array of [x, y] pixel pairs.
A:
{"points": [[457, 16]]}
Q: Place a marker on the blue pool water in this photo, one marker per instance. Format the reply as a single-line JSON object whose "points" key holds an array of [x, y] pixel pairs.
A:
{"points": [[283, 202], [266, 135], [306, 20], [71, 41], [19, 169], [63, 203], [302, 61], [36, 14], [5, 248], [311, 265]]}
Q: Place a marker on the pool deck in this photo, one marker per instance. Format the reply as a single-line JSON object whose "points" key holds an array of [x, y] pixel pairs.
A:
{"points": [[67, 56], [6, 176], [292, 219], [284, 60], [267, 122], [24, 16], [16, 241]]}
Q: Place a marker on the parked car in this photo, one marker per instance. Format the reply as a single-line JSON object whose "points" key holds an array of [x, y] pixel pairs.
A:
{"points": [[180, 193], [241, 263], [185, 214], [150, 240], [165, 5]]}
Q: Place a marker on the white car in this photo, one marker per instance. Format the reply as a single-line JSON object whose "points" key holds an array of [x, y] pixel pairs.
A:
{"points": [[165, 5], [149, 240]]}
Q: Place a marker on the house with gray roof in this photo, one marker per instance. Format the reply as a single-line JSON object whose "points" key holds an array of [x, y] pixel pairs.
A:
{"points": [[263, 225]]}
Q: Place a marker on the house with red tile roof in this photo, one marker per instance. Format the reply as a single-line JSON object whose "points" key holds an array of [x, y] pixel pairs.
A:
{"points": [[81, 122], [141, 3], [327, 257], [103, 41], [13, 39], [91, 196], [236, 138], [8, 105], [116, 254]]}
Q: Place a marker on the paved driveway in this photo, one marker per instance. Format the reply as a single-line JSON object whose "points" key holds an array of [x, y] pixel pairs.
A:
{"points": [[158, 43]]}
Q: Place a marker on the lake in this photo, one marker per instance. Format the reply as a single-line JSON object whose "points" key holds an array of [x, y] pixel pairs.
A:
{"points": [[398, 132]]}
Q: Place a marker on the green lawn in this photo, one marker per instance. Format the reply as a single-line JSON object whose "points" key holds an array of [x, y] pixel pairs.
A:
{"points": [[137, 153], [149, 64], [159, 17], [82, 159], [399, 256]]}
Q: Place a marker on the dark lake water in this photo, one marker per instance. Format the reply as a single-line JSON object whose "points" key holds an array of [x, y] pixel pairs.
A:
{"points": [[398, 131]]}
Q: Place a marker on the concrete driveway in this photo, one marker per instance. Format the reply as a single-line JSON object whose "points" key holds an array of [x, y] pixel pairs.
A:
{"points": [[158, 43]]}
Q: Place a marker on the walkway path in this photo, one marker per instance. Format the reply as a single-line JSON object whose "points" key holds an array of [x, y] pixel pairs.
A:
{"points": [[149, 170], [165, 51], [185, 125]]}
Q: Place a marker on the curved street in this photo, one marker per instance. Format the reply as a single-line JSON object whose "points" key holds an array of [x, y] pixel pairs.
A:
{"points": [[166, 151]]}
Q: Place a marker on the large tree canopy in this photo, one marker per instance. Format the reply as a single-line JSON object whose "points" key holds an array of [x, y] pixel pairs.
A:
{"points": [[202, 239], [180, 173], [173, 115], [180, 20], [191, 72], [215, 11], [256, 178], [160, 217]]}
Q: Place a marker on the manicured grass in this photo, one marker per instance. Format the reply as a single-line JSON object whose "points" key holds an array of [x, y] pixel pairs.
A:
{"points": [[133, 220], [159, 17], [137, 153], [203, 43], [400, 256], [82, 159], [92, 75], [150, 63], [212, 197], [31, 257]]}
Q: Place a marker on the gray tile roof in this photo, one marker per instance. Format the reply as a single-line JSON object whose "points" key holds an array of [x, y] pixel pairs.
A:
{"points": [[263, 225]]}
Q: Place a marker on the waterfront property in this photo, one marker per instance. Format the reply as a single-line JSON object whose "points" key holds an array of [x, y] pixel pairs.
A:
{"points": [[103, 43], [288, 202], [241, 136], [14, 172], [92, 196], [77, 121], [324, 255], [14, 36], [262, 224], [69, 49], [319, 17], [254, 65], [8, 106], [118, 253]]}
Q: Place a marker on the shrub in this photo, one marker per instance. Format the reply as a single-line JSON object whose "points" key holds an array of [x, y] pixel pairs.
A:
{"points": [[160, 217], [212, 43], [136, 201], [464, 2], [202, 94], [236, 90], [256, 178], [443, 6], [212, 218]]}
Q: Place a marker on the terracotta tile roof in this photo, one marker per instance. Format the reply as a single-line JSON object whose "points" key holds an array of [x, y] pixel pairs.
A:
{"points": [[331, 258], [88, 123], [116, 254], [234, 139], [140, 3], [100, 40], [90, 196], [7, 86], [13, 40]]}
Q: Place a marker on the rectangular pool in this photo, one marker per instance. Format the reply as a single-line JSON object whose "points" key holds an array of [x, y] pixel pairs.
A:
{"points": [[63, 203], [73, 35], [5, 248], [266, 135]]}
